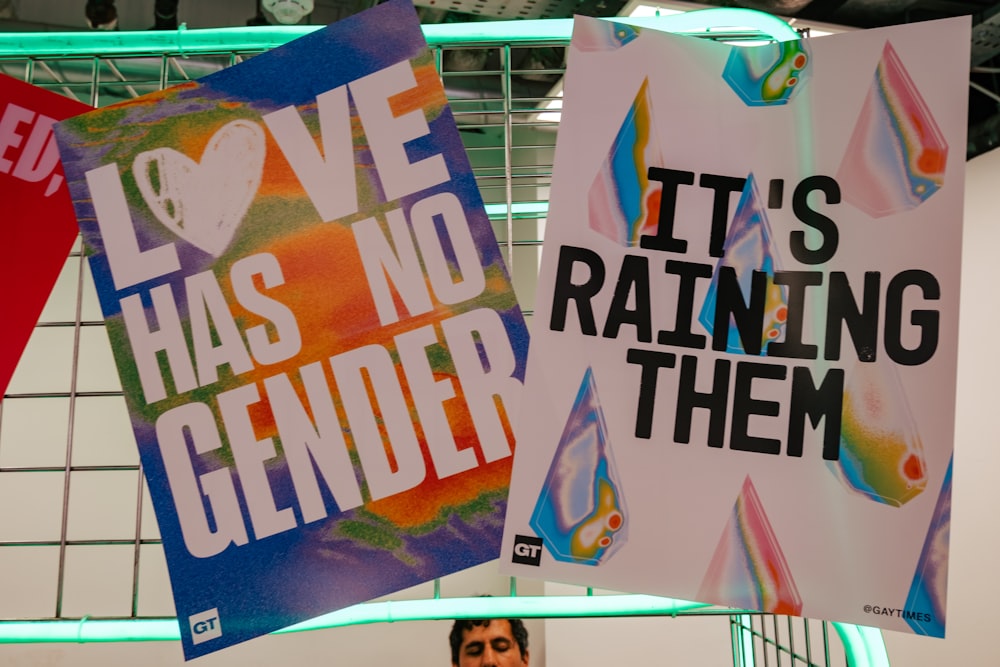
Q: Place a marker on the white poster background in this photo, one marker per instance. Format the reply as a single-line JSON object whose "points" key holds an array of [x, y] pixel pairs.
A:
{"points": [[844, 550]]}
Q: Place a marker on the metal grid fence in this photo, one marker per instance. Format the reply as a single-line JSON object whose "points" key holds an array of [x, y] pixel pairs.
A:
{"points": [[84, 528]]}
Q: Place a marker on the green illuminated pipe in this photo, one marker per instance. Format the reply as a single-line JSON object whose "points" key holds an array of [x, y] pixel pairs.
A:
{"points": [[192, 42], [571, 606], [86, 631], [518, 210], [125, 630], [863, 646], [744, 642]]}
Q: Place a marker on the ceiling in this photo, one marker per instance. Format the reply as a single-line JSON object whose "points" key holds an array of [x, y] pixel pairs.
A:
{"points": [[984, 89]]}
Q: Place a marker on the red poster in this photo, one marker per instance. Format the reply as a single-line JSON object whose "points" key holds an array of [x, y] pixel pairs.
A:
{"points": [[37, 224]]}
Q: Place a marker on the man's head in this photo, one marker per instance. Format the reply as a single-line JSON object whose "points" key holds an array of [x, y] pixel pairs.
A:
{"points": [[499, 642]]}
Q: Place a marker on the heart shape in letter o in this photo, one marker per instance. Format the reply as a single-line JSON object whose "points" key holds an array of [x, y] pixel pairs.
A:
{"points": [[204, 202]]}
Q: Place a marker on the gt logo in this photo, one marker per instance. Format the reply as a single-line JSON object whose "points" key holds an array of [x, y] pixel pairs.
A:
{"points": [[205, 626], [527, 550]]}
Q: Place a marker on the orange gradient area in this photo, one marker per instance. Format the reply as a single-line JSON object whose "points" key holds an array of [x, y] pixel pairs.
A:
{"points": [[323, 260], [427, 94], [932, 160], [913, 468], [192, 136], [882, 455], [652, 222], [169, 95], [776, 313], [279, 179], [595, 532], [436, 498], [345, 319]]}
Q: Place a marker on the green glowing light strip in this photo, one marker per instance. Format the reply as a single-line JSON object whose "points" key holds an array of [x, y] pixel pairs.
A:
{"points": [[101, 630], [745, 642], [747, 22], [533, 210], [863, 646]]}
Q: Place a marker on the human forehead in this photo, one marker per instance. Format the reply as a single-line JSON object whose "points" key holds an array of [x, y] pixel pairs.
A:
{"points": [[495, 629]]}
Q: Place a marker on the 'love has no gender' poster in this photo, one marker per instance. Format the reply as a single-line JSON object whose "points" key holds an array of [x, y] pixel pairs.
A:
{"points": [[317, 336]]}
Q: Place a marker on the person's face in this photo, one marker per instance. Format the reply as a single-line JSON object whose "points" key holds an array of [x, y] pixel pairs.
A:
{"points": [[490, 645]]}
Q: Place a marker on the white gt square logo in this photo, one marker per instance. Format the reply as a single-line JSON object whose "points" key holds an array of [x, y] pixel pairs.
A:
{"points": [[205, 626]]}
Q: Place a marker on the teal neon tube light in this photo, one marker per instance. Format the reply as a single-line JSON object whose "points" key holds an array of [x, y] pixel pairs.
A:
{"points": [[124, 630], [748, 22], [743, 643], [538, 209], [863, 646]]}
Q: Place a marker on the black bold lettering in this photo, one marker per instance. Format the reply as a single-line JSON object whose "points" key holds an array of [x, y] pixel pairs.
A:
{"points": [[775, 192], [651, 362], [816, 220], [724, 186], [664, 237], [792, 345], [681, 335], [862, 323], [565, 289], [633, 278], [714, 400], [744, 406], [824, 402], [749, 318], [928, 321]]}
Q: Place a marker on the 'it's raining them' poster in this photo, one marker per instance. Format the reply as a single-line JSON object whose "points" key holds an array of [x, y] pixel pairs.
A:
{"points": [[741, 384]]}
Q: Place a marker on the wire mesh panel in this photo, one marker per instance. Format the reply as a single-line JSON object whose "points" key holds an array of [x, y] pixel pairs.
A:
{"points": [[765, 639], [67, 453], [84, 541]]}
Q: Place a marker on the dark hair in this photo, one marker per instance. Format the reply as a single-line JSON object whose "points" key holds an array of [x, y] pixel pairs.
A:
{"points": [[462, 625]]}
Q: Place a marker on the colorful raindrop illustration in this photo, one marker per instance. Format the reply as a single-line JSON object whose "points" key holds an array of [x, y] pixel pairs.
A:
{"points": [[749, 247], [623, 204], [881, 454], [602, 35], [896, 157], [580, 513], [768, 74], [925, 605], [748, 569]]}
